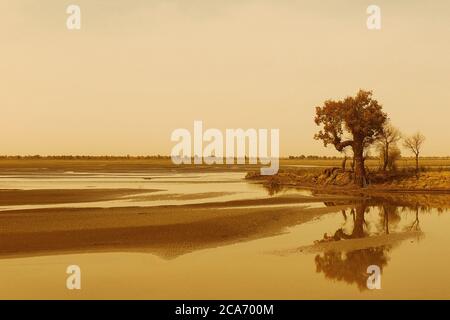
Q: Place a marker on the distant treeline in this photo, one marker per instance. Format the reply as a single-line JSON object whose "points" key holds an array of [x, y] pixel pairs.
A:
{"points": [[70, 157], [160, 157], [303, 157]]}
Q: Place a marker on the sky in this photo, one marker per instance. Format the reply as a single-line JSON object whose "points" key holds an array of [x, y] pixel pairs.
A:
{"points": [[138, 70]]}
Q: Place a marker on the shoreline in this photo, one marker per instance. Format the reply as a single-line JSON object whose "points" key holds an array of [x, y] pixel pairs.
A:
{"points": [[334, 181], [15, 197]]}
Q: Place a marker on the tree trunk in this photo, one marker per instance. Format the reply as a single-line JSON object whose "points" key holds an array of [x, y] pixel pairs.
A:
{"points": [[386, 157], [386, 211], [360, 171], [417, 163], [344, 162], [358, 227]]}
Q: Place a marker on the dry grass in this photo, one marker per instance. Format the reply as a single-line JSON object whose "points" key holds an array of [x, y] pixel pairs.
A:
{"points": [[333, 178], [432, 180], [371, 163]]}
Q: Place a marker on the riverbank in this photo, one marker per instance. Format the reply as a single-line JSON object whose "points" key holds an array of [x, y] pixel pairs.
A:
{"points": [[336, 180]]}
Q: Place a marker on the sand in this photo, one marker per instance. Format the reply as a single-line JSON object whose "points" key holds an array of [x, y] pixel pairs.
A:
{"points": [[384, 240], [167, 231], [56, 196]]}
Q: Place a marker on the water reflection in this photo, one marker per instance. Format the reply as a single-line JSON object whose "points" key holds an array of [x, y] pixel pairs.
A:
{"points": [[273, 188], [350, 266]]}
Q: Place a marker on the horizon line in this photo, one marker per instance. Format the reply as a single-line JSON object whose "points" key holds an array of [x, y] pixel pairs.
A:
{"points": [[157, 156]]}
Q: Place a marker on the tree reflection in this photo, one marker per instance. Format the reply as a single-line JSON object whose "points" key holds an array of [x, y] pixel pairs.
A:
{"points": [[359, 224], [389, 217], [273, 188], [416, 224], [351, 267]]}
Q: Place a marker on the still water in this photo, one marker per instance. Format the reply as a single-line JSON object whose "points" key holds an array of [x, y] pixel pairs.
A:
{"points": [[169, 188], [410, 243]]}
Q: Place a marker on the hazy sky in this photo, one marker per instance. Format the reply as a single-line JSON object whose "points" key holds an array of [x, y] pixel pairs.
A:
{"points": [[139, 69]]}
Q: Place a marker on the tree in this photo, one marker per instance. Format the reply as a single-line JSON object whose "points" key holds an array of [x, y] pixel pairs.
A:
{"points": [[344, 160], [360, 117], [414, 144], [394, 155], [388, 138]]}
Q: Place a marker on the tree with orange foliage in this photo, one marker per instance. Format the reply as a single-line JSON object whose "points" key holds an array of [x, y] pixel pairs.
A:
{"points": [[355, 122]]}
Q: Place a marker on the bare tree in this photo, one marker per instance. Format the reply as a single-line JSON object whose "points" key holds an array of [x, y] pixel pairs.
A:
{"points": [[388, 138], [414, 144]]}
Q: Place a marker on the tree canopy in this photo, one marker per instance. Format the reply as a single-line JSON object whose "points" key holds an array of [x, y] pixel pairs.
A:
{"points": [[354, 122]]}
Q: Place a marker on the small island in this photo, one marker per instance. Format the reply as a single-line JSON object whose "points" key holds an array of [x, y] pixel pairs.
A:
{"points": [[370, 156]]}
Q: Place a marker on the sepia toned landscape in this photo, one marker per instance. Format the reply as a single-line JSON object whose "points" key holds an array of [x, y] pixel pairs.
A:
{"points": [[169, 231], [212, 149]]}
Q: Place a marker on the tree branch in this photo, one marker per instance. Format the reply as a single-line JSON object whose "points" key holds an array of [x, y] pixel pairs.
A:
{"points": [[341, 145]]}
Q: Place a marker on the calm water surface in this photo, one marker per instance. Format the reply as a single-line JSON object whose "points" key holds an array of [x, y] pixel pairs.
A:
{"points": [[207, 187]]}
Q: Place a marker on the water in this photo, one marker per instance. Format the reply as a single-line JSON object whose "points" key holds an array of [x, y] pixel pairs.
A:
{"points": [[409, 241], [203, 187]]}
